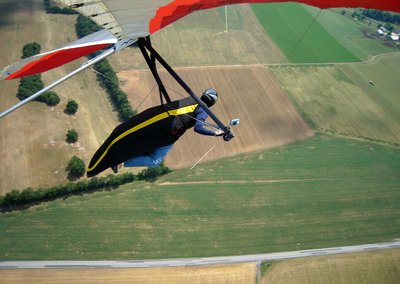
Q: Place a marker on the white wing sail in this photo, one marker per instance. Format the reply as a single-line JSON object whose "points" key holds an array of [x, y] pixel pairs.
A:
{"points": [[60, 56]]}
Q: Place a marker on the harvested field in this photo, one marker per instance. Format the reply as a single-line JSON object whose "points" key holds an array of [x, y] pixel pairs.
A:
{"points": [[339, 99], [268, 119], [200, 39], [369, 267], [236, 273]]}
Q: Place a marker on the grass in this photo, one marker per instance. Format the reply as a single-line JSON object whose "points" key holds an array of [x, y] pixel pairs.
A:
{"points": [[339, 99], [349, 33], [316, 160], [331, 192], [299, 35], [214, 19]]}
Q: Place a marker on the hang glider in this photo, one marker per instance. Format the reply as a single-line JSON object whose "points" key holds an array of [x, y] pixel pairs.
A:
{"points": [[125, 22]]}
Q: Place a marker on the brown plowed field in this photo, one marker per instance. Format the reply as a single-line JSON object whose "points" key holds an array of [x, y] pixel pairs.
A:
{"points": [[235, 273], [268, 118]]}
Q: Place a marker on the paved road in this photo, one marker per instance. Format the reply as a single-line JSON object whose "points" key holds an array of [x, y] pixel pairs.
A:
{"points": [[194, 261]]}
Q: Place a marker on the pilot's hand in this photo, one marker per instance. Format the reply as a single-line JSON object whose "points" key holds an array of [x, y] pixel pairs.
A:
{"points": [[219, 132]]}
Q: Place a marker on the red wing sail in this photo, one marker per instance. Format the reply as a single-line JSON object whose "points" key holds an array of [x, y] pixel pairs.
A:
{"points": [[139, 18], [177, 9], [52, 59], [129, 20]]}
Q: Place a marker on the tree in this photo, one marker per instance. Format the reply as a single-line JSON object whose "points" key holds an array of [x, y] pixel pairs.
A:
{"points": [[50, 98], [30, 49], [390, 28], [76, 167], [32, 84], [72, 107], [154, 172], [72, 136], [29, 85], [85, 26]]}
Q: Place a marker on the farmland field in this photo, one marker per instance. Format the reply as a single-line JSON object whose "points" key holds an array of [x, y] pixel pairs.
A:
{"points": [[199, 40], [268, 119], [367, 267], [321, 192], [215, 274], [41, 160], [33, 149], [299, 35], [350, 33], [339, 99]]}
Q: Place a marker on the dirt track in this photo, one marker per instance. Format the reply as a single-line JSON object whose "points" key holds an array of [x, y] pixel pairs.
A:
{"points": [[235, 181]]}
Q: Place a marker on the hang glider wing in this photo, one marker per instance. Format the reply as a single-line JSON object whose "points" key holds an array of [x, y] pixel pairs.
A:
{"points": [[125, 21], [60, 56], [140, 18]]}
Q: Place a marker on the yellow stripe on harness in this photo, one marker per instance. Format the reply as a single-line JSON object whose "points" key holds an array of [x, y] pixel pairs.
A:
{"points": [[148, 122]]}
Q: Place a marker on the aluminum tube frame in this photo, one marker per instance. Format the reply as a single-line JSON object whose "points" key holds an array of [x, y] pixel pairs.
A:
{"points": [[228, 135]]}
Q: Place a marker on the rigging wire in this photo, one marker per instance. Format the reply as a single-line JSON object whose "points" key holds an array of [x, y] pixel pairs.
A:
{"points": [[146, 97], [195, 164], [296, 45]]}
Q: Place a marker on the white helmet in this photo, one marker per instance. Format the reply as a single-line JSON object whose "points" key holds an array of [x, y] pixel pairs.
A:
{"points": [[209, 96]]}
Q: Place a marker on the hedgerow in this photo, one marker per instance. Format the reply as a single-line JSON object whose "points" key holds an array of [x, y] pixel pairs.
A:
{"points": [[16, 199], [105, 73]]}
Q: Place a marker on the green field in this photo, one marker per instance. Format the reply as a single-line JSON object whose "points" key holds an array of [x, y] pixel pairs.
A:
{"points": [[317, 193], [307, 35], [339, 99], [349, 33], [300, 37]]}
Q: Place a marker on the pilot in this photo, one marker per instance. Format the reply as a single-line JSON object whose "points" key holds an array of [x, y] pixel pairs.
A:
{"points": [[145, 139]]}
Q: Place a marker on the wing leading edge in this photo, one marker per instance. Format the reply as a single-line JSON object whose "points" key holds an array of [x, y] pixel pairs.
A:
{"points": [[125, 21], [60, 56], [140, 18]]}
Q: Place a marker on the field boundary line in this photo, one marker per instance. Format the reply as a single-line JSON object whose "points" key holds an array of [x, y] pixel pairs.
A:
{"points": [[240, 181], [368, 61]]}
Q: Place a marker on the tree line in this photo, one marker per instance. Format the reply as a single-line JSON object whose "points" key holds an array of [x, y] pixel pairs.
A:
{"points": [[378, 15], [57, 10], [15, 199], [105, 73]]}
